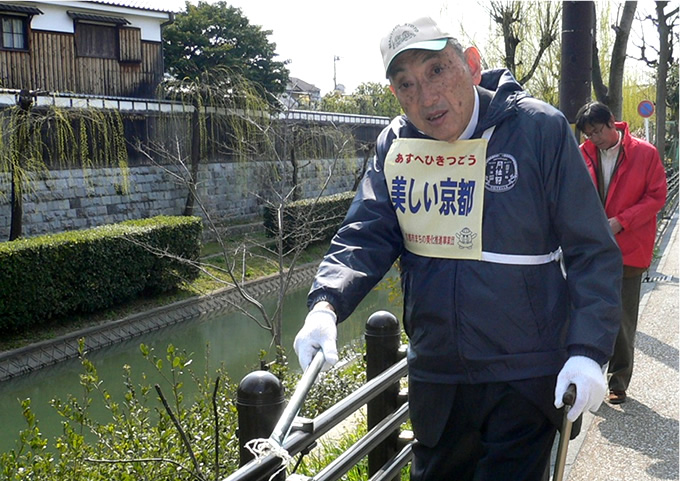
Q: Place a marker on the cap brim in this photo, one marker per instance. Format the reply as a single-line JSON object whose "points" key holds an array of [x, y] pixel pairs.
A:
{"points": [[434, 45], [438, 44]]}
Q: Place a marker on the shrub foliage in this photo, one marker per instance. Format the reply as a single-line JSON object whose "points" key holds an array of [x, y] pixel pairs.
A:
{"points": [[88, 270], [308, 220], [153, 431]]}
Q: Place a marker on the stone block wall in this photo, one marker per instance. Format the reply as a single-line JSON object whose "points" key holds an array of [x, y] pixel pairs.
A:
{"points": [[65, 200]]}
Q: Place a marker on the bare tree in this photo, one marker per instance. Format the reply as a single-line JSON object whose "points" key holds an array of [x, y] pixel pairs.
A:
{"points": [[257, 135], [665, 28], [612, 95], [665, 23], [529, 30]]}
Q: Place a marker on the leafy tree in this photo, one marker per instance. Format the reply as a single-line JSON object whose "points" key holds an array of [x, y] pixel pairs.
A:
{"points": [[370, 98], [211, 35], [337, 102], [376, 99]]}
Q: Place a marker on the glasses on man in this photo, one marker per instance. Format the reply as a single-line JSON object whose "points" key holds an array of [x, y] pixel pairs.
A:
{"points": [[596, 132]]}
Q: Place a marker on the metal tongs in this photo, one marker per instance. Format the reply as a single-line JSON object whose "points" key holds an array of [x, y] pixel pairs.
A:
{"points": [[285, 422]]}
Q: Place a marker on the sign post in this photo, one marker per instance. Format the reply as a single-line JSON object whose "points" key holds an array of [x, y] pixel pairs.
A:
{"points": [[646, 110]]}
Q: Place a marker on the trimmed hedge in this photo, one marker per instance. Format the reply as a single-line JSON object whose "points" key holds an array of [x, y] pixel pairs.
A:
{"points": [[88, 270], [309, 220]]}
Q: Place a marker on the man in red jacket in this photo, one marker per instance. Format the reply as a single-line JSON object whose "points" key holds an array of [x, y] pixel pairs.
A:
{"points": [[631, 181]]}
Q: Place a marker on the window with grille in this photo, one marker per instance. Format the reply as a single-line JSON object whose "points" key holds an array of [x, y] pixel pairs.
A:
{"points": [[94, 40], [13, 32]]}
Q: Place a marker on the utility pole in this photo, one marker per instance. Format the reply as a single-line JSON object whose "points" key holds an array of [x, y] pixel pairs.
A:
{"points": [[577, 54], [335, 82]]}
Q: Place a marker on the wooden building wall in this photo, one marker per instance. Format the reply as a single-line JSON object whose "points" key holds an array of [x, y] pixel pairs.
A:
{"points": [[51, 64]]}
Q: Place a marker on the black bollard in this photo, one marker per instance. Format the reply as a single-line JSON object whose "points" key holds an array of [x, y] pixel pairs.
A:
{"points": [[382, 351], [259, 402]]}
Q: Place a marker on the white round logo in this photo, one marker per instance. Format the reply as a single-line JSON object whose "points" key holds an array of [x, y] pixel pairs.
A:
{"points": [[501, 173]]}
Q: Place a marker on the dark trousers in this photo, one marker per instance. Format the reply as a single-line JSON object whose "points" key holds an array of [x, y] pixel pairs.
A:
{"points": [[492, 433], [621, 363]]}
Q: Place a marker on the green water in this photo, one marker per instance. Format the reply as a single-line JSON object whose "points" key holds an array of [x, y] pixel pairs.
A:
{"points": [[230, 339]]}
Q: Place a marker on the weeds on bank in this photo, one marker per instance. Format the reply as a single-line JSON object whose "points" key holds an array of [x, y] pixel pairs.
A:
{"points": [[153, 431]]}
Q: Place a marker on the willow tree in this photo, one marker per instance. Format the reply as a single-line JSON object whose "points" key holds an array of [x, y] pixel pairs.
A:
{"points": [[33, 139], [214, 99]]}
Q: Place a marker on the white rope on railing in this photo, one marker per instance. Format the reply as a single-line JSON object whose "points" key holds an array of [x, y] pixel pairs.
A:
{"points": [[262, 448]]}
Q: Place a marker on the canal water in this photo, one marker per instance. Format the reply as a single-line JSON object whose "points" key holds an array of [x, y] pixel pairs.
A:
{"points": [[230, 339]]}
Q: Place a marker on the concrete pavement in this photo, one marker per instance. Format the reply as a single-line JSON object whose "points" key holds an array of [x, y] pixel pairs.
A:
{"points": [[638, 440]]}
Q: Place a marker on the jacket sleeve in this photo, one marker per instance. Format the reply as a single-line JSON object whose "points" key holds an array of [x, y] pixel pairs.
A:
{"points": [[592, 257], [654, 196], [364, 248]]}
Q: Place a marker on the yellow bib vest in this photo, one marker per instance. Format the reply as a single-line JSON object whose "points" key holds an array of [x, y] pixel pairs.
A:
{"points": [[437, 190]]}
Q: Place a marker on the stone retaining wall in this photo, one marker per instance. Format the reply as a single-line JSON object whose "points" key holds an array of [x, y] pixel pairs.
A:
{"points": [[64, 200]]}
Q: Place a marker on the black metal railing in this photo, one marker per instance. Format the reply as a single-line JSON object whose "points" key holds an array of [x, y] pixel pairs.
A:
{"points": [[260, 404], [665, 215], [671, 196]]}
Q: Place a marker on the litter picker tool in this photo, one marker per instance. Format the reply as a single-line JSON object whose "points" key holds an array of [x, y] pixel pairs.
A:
{"points": [[273, 445], [285, 422], [565, 434]]}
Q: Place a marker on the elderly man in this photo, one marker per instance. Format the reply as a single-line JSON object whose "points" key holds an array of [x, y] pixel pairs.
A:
{"points": [[511, 277]]}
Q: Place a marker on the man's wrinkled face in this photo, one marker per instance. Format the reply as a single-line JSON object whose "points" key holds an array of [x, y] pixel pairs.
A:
{"points": [[435, 89]]}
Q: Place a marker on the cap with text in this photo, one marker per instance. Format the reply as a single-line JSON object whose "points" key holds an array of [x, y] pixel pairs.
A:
{"points": [[421, 34]]}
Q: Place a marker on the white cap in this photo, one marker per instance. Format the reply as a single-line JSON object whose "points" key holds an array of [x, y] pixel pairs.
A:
{"points": [[422, 34]]}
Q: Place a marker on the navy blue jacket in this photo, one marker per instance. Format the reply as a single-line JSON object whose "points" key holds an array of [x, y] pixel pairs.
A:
{"points": [[477, 321]]}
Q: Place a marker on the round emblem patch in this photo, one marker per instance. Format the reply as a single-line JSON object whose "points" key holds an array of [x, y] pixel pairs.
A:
{"points": [[501, 173]]}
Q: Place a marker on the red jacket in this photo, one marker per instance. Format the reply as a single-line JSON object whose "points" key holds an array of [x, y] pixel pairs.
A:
{"points": [[637, 192]]}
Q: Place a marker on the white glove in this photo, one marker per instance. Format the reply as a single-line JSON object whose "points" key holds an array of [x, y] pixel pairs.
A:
{"points": [[319, 332], [590, 382]]}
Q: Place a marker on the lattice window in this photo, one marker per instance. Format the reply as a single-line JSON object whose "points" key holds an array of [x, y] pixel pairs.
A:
{"points": [[100, 41], [14, 32]]}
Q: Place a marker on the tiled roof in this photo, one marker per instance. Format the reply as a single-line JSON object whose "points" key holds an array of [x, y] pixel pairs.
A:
{"points": [[6, 7], [156, 5], [97, 18], [297, 84]]}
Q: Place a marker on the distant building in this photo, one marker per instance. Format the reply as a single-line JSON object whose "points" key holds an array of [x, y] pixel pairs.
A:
{"points": [[301, 95], [108, 48]]}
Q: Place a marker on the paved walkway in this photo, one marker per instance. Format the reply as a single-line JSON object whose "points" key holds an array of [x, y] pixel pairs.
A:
{"points": [[638, 440]]}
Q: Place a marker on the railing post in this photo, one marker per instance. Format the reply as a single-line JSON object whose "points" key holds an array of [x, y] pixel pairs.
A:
{"points": [[259, 402], [382, 351]]}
